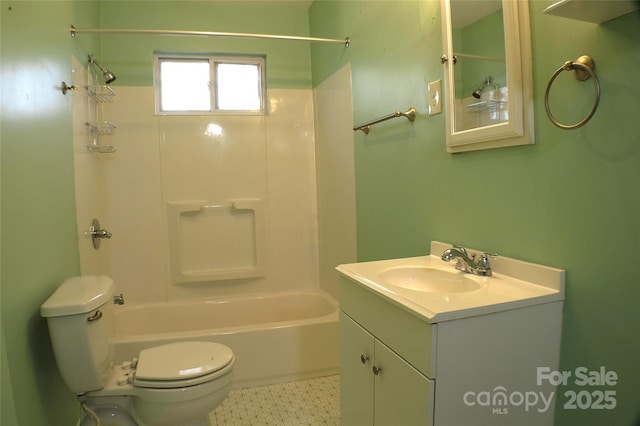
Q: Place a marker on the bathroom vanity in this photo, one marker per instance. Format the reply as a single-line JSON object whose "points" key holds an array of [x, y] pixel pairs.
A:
{"points": [[422, 343]]}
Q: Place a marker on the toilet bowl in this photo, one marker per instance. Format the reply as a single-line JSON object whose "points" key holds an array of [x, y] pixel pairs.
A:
{"points": [[172, 384], [107, 413]]}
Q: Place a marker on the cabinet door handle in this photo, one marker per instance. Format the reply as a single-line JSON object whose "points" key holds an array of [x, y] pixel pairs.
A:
{"points": [[377, 370], [364, 358]]}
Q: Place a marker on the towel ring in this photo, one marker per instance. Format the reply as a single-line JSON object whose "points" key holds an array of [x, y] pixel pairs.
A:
{"points": [[583, 69]]}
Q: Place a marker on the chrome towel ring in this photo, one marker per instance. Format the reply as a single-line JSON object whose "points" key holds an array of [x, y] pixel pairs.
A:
{"points": [[582, 69]]}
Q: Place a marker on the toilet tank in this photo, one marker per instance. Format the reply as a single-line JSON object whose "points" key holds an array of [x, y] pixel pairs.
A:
{"points": [[79, 316]]}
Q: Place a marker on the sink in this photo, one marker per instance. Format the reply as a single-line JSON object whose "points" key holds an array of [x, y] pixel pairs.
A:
{"points": [[429, 280], [435, 291]]}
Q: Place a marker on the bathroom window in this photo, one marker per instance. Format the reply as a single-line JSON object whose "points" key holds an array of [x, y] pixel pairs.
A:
{"points": [[193, 85]]}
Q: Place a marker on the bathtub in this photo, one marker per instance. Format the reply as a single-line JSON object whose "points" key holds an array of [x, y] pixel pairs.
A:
{"points": [[275, 337]]}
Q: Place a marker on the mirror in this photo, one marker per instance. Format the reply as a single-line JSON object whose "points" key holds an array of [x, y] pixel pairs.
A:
{"points": [[488, 82]]}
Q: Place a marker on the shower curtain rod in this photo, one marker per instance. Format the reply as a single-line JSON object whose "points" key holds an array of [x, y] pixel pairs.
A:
{"points": [[75, 31]]}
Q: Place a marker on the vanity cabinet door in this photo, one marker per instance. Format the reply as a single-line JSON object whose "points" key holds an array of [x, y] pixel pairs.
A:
{"points": [[403, 396], [356, 377], [378, 387]]}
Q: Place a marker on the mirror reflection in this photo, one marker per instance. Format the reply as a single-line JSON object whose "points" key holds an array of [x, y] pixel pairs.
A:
{"points": [[480, 73]]}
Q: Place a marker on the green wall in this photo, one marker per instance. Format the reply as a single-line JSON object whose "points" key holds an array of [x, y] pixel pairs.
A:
{"points": [[39, 238], [572, 200], [131, 56], [481, 38]]}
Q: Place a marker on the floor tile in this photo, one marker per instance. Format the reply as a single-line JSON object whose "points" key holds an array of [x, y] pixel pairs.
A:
{"points": [[305, 402]]}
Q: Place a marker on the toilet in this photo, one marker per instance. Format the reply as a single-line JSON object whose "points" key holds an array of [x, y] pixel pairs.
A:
{"points": [[171, 384]]}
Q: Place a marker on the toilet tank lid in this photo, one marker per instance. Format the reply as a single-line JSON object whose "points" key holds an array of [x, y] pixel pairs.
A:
{"points": [[78, 295]]}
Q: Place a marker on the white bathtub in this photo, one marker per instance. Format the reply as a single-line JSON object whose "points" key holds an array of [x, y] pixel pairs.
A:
{"points": [[275, 337]]}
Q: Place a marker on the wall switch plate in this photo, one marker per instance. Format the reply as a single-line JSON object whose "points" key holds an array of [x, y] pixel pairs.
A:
{"points": [[435, 97]]}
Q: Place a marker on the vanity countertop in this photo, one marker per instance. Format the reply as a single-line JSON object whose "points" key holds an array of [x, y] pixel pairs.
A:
{"points": [[514, 284]]}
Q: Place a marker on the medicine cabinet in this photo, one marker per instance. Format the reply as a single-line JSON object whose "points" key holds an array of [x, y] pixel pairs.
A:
{"points": [[487, 74]]}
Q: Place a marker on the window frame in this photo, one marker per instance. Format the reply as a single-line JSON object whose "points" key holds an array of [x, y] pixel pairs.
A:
{"points": [[213, 59]]}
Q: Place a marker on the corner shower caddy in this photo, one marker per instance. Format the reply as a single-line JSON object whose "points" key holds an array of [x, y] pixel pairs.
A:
{"points": [[97, 129]]}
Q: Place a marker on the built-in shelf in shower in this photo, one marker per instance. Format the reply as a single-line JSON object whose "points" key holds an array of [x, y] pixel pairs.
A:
{"points": [[216, 241]]}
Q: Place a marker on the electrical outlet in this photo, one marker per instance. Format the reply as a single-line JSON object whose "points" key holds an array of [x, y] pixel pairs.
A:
{"points": [[435, 97]]}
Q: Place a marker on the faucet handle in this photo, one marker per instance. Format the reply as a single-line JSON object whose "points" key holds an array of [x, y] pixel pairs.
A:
{"points": [[484, 266]]}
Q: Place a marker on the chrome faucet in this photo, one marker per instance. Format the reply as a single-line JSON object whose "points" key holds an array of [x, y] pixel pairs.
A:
{"points": [[96, 233], [466, 263], [101, 233]]}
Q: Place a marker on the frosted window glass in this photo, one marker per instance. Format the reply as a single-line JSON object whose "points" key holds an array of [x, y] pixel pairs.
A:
{"points": [[238, 87], [185, 86]]}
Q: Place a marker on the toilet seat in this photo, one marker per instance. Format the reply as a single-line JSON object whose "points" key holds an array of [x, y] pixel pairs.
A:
{"points": [[181, 364]]}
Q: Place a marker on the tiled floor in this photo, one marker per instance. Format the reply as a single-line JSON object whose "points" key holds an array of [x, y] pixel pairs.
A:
{"points": [[306, 402]]}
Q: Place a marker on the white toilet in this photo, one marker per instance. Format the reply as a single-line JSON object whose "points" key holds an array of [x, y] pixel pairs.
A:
{"points": [[172, 384]]}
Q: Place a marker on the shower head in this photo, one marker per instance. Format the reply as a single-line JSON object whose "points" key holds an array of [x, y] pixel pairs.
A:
{"points": [[108, 76], [478, 92]]}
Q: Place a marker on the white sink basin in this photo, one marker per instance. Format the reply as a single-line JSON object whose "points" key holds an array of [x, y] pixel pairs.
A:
{"points": [[436, 291], [430, 280]]}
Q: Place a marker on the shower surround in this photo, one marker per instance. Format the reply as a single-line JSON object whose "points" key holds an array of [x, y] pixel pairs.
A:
{"points": [[207, 205], [210, 206], [211, 212]]}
